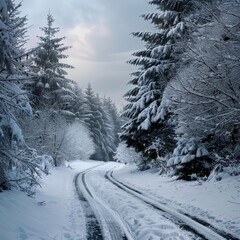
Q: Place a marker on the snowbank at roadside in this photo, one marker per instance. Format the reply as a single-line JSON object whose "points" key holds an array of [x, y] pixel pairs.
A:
{"points": [[54, 213]]}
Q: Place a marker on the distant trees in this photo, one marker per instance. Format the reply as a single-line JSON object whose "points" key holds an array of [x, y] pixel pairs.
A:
{"points": [[59, 103], [41, 111], [103, 125], [77, 143], [186, 89], [114, 121]]}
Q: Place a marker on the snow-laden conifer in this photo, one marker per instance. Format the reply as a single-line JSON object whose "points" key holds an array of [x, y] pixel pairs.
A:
{"points": [[101, 119], [147, 116], [20, 165], [51, 86]]}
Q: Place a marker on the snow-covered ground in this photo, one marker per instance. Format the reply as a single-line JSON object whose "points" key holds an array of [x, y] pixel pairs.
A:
{"points": [[56, 212]]}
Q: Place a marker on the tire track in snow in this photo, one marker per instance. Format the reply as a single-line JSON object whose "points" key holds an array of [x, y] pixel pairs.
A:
{"points": [[100, 223], [93, 228], [187, 222], [140, 219], [113, 229]]}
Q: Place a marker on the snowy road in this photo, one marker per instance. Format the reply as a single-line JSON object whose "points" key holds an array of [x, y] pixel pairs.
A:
{"points": [[126, 213], [91, 200], [92, 224], [100, 223], [197, 226]]}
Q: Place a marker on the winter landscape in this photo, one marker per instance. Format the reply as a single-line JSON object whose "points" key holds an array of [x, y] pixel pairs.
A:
{"points": [[163, 164]]}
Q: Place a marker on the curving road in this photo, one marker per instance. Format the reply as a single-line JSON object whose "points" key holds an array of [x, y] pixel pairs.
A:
{"points": [[100, 222], [116, 211]]}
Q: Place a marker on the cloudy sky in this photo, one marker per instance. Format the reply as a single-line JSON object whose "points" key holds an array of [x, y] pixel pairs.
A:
{"points": [[99, 32]]}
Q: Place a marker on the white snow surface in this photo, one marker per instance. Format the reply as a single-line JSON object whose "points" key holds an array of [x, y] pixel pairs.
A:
{"points": [[56, 212]]}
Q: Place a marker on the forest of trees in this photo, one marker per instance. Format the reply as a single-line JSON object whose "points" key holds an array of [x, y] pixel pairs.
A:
{"points": [[183, 110], [182, 113], [45, 118]]}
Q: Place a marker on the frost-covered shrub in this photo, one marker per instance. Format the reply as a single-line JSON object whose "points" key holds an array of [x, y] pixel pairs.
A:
{"points": [[55, 135], [21, 167], [45, 162], [126, 154], [190, 159], [77, 143], [160, 164], [220, 172]]}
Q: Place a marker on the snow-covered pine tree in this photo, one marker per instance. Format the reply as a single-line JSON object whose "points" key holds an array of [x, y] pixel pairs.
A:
{"points": [[51, 84], [107, 131], [19, 25], [114, 121], [207, 93], [92, 121], [100, 117], [19, 165], [148, 117], [79, 107]]}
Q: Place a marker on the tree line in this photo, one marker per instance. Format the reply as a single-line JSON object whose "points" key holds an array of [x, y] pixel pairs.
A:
{"points": [[45, 118]]}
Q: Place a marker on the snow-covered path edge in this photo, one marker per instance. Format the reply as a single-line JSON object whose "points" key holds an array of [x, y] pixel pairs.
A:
{"points": [[174, 195]]}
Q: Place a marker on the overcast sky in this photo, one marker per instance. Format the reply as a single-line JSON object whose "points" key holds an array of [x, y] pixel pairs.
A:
{"points": [[99, 32]]}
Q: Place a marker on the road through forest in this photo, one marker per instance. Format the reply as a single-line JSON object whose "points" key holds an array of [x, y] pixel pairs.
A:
{"points": [[93, 200]]}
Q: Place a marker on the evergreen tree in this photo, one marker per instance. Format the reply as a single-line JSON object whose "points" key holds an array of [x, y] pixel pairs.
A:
{"points": [[101, 120], [114, 121], [19, 165], [79, 106], [93, 121], [51, 51], [148, 118], [51, 85], [19, 26], [106, 130]]}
